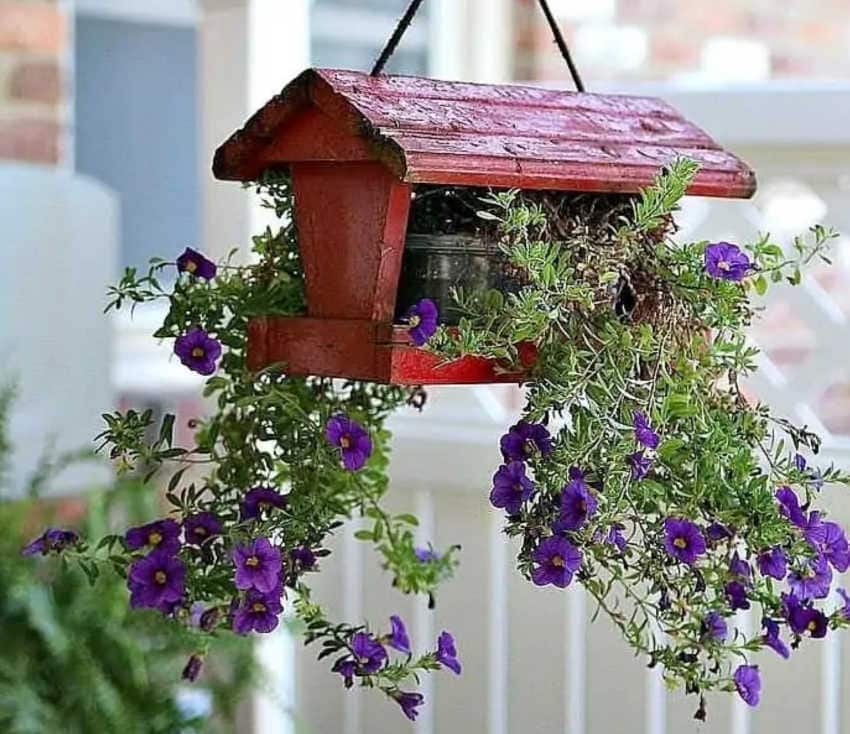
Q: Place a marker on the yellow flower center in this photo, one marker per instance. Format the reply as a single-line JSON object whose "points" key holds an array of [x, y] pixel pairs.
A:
{"points": [[160, 577], [200, 530], [155, 538], [345, 442], [518, 488], [582, 505], [558, 561], [258, 607], [680, 543], [198, 352], [253, 562], [812, 626], [191, 266], [414, 321], [723, 265]]}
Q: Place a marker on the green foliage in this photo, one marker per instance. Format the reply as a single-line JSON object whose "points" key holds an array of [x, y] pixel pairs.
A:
{"points": [[621, 317]]}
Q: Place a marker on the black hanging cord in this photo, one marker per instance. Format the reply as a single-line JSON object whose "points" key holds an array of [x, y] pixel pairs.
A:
{"points": [[400, 30], [562, 45], [412, 9]]}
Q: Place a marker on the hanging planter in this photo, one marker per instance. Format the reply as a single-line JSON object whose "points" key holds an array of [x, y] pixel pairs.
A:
{"points": [[376, 150], [540, 225]]}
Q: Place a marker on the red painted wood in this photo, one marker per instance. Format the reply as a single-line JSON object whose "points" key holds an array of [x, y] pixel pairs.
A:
{"points": [[447, 132], [352, 219], [361, 350]]}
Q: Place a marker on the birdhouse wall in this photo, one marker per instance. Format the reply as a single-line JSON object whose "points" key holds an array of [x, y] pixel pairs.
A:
{"points": [[352, 223]]}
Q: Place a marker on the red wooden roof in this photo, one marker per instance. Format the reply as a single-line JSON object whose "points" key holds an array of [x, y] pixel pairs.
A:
{"points": [[429, 131]]}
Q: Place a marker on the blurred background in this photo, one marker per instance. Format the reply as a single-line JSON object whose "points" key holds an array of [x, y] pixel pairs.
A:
{"points": [[109, 113]]}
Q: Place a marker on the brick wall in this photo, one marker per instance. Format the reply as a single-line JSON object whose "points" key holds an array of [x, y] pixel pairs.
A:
{"points": [[33, 99], [718, 40]]}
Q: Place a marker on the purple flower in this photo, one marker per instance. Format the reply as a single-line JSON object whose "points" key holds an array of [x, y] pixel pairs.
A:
{"points": [[748, 683], [422, 321], [813, 582], [369, 654], [161, 535], [771, 638], [51, 540], [557, 560], [157, 581], [257, 566], [714, 627], [427, 555], [790, 506], [511, 487], [258, 613], [351, 438], [260, 499], [644, 434], [409, 703], [804, 618], [773, 563], [523, 439], [845, 610], [640, 464], [726, 261], [578, 505], [447, 652], [346, 667], [398, 639], [198, 351], [303, 556], [193, 668], [717, 532], [200, 527], [800, 462], [615, 537], [830, 540], [740, 568], [193, 262], [736, 595], [683, 539]]}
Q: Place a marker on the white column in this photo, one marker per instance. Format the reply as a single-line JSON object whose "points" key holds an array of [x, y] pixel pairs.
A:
{"points": [[499, 641], [489, 36], [576, 660]]}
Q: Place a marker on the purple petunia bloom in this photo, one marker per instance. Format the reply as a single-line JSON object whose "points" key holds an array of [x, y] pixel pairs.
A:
{"points": [[714, 627], [718, 531], [194, 263], [683, 539], [369, 654], [845, 610], [804, 618], [200, 527], [260, 499], [52, 540], [193, 668], [426, 555], [198, 351], [578, 505], [813, 582], [157, 581], [773, 563], [353, 440], [790, 506], [800, 462], [748, 683], [740, 568], [616, 538], [829, 539], [258, 612], [511, 487], [398, 639], [303, 556], [644, 434], [726, 261], [409, 703], [161, 535], [422, 321], [557, 560], [736, 595], [771, 638], [640, 464], [524, 439], [257, 566], [447, 652], [346, 667]]}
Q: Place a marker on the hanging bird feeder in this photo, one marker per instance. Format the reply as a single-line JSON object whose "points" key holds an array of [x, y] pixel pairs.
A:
{"points": [[369, 154]]}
